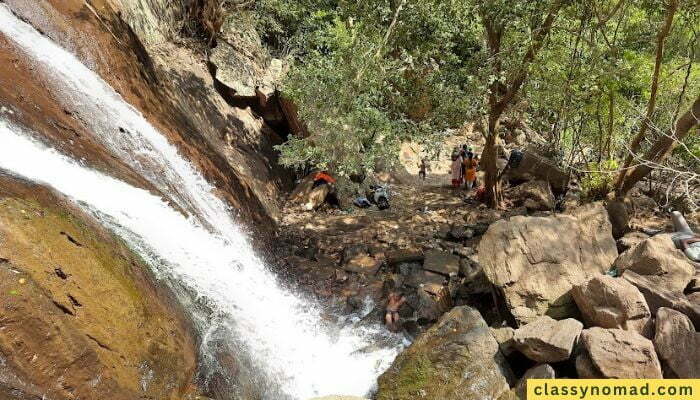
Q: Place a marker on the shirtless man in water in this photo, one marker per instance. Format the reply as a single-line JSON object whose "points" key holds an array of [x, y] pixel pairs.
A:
{"points": [[394, 302]]}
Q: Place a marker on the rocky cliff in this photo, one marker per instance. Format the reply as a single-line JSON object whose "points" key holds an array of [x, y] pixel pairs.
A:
{"points": [[81, 316], [128, 44]]}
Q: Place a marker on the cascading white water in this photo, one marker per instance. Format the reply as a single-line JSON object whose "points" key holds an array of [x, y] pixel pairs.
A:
{"points": [[293, 354]]}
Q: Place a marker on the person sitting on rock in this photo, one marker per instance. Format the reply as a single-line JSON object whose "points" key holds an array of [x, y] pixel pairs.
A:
{"points": [[394, 302], [685, 239]]}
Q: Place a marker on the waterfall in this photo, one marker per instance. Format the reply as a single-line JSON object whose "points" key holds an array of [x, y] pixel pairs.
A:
{"points": [[233, 297]]}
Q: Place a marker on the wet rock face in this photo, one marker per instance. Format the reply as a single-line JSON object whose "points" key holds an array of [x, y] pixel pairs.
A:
{"points": [[535, 261], [125, 43], [457, 358], [79, 315]]}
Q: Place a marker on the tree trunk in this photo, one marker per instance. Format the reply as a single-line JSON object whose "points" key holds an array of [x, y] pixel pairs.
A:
{"points": [[489, 158], [651, 106], [502, 96], [663, 147]]}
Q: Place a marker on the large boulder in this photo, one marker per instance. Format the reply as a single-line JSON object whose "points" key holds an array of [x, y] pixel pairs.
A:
{"points": [[548, 340], [659, 260], [317, 197], [534, 195], [658, 297], [608, 302], [615, 353], [678, 344], [535, 261], [536, 167], [456, 359]]}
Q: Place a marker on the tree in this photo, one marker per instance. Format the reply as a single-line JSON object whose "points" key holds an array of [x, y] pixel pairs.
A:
{"points": [[369, 76], [634, 146], [496, 17], [375, 74], [664, 145]]}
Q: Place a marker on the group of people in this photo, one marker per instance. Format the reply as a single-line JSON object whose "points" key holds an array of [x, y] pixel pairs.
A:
{"points": [[463, 168]]}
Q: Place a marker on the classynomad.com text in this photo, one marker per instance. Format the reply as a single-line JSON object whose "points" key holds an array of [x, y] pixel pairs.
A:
{"points": [[613, 389]]}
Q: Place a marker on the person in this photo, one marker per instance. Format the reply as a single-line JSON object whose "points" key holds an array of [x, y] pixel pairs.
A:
{"points": [[456, 168], [422, 168], [470, 170], [394, 302], [685, 239], [323, 178]]}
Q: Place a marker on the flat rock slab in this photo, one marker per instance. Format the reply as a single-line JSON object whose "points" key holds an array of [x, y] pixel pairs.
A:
{"points": [[548, 340], [364, 264], [677, 343], [616, 353], [441, 262], [613, 303]]}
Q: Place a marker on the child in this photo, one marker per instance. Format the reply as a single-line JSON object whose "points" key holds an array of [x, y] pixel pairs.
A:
{"points": [[423, 169]]}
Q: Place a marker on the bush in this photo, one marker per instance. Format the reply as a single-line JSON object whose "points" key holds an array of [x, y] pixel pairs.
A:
{"points": [[599, 179]]}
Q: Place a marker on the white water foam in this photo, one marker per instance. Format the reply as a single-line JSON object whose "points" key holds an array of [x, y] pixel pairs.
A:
{"points": [[292, 352]]}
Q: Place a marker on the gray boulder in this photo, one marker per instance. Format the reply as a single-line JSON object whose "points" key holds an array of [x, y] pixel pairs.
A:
{"points": [[456, 359], [534, 195], [536, 167], [678, 344], [535, 261], [548, 340]]}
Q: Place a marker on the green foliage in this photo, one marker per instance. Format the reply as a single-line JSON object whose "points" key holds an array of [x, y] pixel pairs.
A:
{"points": [[599, 179], [364, 85]]}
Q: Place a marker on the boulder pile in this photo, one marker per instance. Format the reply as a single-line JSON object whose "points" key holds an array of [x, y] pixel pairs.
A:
{"points": [[569, 305]]}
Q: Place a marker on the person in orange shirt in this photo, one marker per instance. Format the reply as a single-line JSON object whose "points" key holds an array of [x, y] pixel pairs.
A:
{"points": [[470, 164]]}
